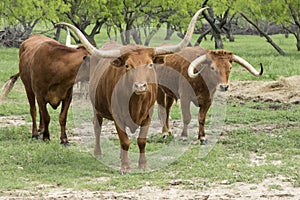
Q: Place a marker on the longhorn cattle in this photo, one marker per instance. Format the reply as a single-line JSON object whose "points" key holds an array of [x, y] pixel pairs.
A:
{"points": [[193, 75], [123, 88], [48, 70]]}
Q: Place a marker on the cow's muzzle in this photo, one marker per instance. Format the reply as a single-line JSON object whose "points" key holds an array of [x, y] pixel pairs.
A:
{"points": [[140, 87], [224, 87]]}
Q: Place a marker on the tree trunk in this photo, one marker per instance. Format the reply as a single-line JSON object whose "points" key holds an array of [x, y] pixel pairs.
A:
{"points": [[268, 38], [298, 42], [215, 30], [150, 35], [136, 35], [169, 32], [218, 40], [200, 38], [128, 34]]}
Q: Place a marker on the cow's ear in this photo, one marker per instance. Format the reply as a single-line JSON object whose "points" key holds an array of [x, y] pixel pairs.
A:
{"points": [[118, 62], [86, 59], [159, 59]]}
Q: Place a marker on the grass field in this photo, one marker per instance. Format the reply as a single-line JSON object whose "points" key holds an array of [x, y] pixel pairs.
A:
{"points": [[26, 163]]}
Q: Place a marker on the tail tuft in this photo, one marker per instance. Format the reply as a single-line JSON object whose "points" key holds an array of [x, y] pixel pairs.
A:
{"points": [[8, 86]]}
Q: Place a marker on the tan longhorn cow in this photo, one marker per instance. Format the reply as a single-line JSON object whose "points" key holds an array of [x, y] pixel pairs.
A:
{"points": [[123, 88], [192, 75]]}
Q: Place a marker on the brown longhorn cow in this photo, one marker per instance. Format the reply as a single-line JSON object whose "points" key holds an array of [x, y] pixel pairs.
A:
{"points": [[48, 71], [123, 88], [192, 75]]}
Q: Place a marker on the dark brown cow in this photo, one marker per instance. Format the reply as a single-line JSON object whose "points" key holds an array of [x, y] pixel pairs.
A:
{"points": [[123, 88], [213, 69], [48, 71]]}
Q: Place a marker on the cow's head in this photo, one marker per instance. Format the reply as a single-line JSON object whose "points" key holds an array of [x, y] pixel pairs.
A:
{"points": [[217, 65], [139, 68]]}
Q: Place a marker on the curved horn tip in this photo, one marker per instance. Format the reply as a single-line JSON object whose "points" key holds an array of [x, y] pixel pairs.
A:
{"points": [[261, 69]]}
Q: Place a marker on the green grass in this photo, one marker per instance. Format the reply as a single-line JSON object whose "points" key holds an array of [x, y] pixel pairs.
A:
{"points": [[264, 129]]}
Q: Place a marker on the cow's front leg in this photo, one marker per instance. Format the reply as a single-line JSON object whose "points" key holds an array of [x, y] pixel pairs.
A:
{"points": [[186, 116], [63, 118], [124, 143], [97, 131], [141, 140], [201, 119]]}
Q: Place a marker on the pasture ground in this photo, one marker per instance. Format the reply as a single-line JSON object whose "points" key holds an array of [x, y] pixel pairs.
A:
{"points": [[279, 94]]}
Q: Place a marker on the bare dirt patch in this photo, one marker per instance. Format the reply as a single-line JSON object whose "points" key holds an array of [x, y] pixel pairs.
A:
{"points": [[12, 120], [270, 188], [284, 90]]}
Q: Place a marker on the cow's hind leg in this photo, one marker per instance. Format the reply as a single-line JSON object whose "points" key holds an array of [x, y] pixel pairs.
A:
{"points": [[162, 112], [45, 117], [169, 103], [31, 100], [63, 118]]}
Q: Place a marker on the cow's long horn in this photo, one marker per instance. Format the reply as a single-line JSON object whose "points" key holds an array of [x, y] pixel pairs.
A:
{"points": [[186, 39], [194, 64], [68, 39], [248, 66], [89, 47]]}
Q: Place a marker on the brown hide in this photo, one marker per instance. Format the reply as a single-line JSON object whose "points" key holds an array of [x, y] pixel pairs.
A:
{"points": [[48, 70], [175, 83], [110, 79], [116, 95]]}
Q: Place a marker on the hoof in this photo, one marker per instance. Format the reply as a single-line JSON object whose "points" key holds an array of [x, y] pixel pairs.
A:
{"points": [[165, 135], [203, 142], [65, 144], [124, 171], [143, 166], [184, 138], [35, 137]]}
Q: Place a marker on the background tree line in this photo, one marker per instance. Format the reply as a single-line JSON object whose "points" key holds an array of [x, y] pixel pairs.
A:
{"points": [[130, 19]]}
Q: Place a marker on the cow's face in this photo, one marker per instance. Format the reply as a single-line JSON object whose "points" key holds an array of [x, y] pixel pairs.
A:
{"points": [[139, 69], [221, 67]]}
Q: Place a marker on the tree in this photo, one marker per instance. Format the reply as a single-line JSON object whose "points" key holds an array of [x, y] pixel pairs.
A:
{"points": [[219, 17], [293, 20], [285, 12], [86, 13], [28, 13]]}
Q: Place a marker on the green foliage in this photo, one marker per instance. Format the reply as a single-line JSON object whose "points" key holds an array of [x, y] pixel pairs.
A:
{"points": [[24, 11]]}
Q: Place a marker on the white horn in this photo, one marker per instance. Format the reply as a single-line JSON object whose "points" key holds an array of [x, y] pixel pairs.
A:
{"points": [[248, 66], [89, 47], [194, 64], [186, 39], [68, 39]]}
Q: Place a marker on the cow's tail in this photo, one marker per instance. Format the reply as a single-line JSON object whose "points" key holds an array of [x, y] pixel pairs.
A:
{"points": [[8, 86]]}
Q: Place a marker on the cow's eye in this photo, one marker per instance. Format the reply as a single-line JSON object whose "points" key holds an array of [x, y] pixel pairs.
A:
{"points": [[151, 65], [127, 66]]}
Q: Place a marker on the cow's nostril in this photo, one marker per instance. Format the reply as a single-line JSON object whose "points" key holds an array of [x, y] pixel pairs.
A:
{"points": [[224, 87]]}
